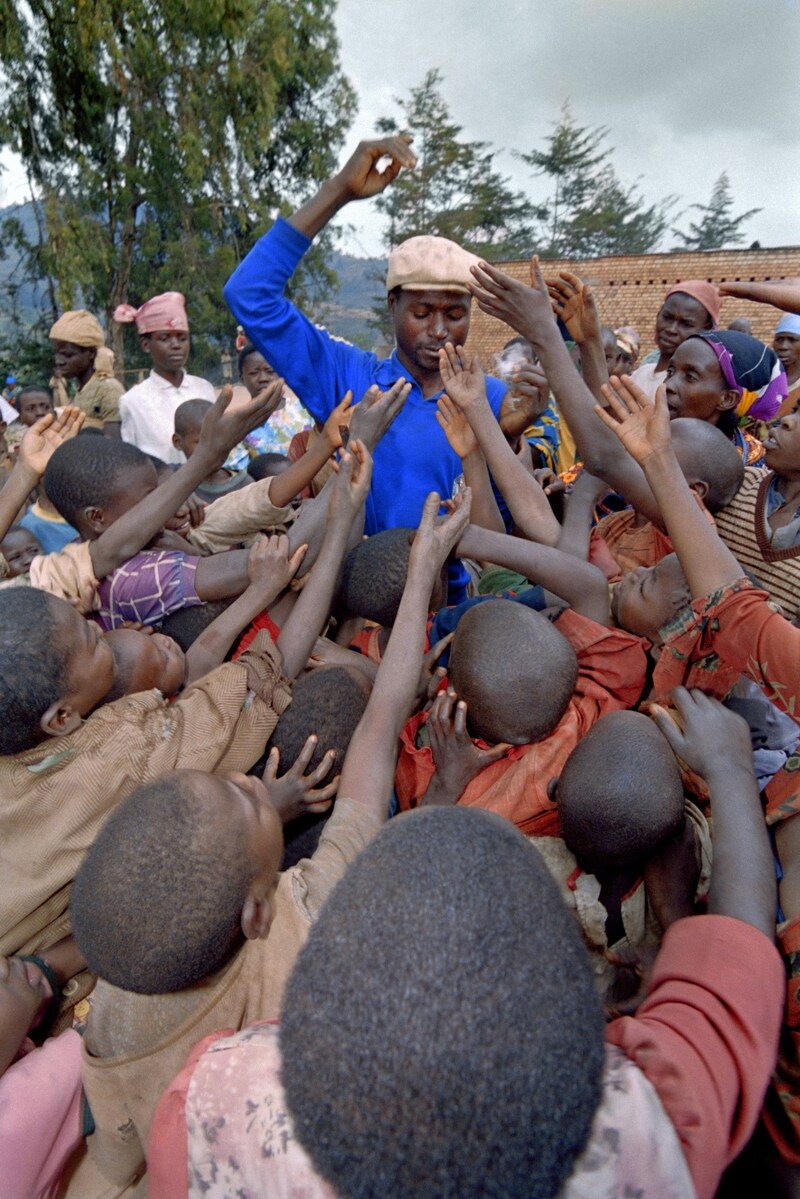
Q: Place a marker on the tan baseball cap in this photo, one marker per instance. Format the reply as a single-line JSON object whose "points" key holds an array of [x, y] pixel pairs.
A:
{"points": [[430, 264]]}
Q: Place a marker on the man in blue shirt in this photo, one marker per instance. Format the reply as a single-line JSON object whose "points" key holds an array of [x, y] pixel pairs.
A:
{"points": [[430, 305]]}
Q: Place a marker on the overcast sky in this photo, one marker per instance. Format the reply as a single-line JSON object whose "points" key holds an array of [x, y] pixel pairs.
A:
{"points": [[687, 89]]}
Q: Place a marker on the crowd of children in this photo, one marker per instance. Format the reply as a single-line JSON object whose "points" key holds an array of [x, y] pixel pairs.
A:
{"points": [[393, 816]]}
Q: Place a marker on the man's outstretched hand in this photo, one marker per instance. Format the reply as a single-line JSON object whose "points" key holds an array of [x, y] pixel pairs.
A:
{"points": [[360, 178], [641, 425]]}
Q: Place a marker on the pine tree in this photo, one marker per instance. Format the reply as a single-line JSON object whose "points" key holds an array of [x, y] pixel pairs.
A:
{"points": [[716, 227]]}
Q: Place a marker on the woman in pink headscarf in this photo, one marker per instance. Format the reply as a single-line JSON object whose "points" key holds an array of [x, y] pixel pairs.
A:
{"points": [[691, 306]]}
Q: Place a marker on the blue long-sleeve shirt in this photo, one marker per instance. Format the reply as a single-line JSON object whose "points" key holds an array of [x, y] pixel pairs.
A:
{"points": [[413, 457]]}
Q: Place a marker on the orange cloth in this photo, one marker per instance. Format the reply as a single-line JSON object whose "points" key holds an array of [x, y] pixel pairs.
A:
{"points": [[631, 546], [612, 670]]}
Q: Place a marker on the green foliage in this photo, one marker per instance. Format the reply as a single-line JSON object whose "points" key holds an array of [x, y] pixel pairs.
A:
{"points": [[716, 227], [161, 137], [590, 213], [455, 190]]}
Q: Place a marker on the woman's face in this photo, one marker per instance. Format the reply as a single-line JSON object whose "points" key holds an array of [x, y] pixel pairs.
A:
{"points": [[695, 386], [787, 347], [782, 447], [678, 318], [257, 373]]}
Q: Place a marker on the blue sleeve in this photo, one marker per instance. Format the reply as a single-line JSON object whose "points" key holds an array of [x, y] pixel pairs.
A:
{"points": [[316, 366]]}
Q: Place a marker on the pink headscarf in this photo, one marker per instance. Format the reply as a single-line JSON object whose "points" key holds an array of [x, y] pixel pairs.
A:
{"points": [[705, 294], [167, 311]]}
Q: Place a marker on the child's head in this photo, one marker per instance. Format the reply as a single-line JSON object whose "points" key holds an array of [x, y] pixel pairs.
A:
{"points": [[55, 668], [92, 481], [185, 625], [33, 403], [254, 370], [688, 307], [19, 547], [649, 597], [710, 462], [145, 661], [441, 1022], [189, 417], [266, 466], [183, 868], [76, 337], [620, 793], [374, 575], [513, 669], [329, 702]]}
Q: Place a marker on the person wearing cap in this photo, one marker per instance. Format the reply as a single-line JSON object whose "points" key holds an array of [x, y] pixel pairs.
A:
{"points": [[429, 302], [786, 344], [148, 409], [689, 307], [77, 340]]}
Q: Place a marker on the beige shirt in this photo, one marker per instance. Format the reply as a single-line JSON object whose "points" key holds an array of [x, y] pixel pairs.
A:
{"points": [[136, 1044], [55, 798], [99, 400]]}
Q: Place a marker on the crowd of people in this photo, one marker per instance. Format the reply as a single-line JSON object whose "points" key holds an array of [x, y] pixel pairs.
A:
{"points": [[399, 762]]}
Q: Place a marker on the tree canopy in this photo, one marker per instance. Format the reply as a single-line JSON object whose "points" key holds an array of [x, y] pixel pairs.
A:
{"points": [[160, 137]]}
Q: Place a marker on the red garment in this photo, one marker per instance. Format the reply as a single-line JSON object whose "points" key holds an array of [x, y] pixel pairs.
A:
{"points": [[707, 1036], [630, 545], [262, 621], [612, 669], [367, 642]]}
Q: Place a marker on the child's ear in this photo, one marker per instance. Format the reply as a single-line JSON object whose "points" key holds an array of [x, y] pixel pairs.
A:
{"points": [[728, 400], [177, 441], [552, 788], [60, 718], [257, 914], [94, 519], [144, 342], [700, 488]]}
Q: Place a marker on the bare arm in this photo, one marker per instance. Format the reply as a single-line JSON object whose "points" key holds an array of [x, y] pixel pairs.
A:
{"points": [[38, 444], [466, 387], [221, 430], [291, 482], [269, 569], [642, 427], [716, 743], [576, 527], [528, 310], [312, 608], [583, 586], [368, 771], [463, 441], [784, 294]]}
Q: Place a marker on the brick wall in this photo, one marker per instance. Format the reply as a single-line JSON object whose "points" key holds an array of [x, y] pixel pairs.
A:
{"points": [[629, 290]]}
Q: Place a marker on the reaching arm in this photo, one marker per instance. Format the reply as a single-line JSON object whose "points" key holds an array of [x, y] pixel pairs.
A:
{"points": [[573, 302], [269, 569], [576, 527], [716, 744], [463, 441], [784, 294], [368, 771], [221, 431], [38, 444], [583, 586], [465, 386], [359, 179], [528, 310], [348, 493], [291, 482], [642, 427]]}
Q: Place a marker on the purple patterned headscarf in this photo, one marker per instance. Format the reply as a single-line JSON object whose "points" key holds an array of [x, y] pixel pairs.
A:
{"points": [[752, 369]]}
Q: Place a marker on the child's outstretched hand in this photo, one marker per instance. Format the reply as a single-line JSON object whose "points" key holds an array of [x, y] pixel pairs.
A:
{"points": [[706, 735], [641, 425], [573, 302], [457, 428], [297, 793], [371, 417], [456, 757], [435, 538], [269, 564], [464, 384], [42, 439], [352, 482], [526, 309], [223, 427], [337, 426]]}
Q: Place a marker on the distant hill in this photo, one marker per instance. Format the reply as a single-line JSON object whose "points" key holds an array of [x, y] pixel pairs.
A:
{"points": [[346, 314]]}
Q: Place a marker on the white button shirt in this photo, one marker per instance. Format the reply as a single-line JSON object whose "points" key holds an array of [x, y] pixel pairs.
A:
{"points": [[148, 410]]}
